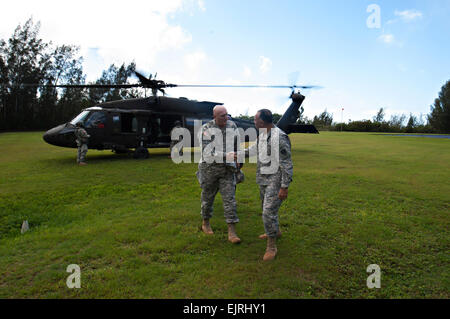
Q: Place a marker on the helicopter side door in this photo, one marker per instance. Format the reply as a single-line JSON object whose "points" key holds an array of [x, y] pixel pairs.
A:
{"points": [[124, 129], [95, 125], [161, 126]]}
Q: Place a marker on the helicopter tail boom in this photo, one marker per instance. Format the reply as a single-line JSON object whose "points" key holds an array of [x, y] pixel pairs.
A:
{"points": [[290, 117]]}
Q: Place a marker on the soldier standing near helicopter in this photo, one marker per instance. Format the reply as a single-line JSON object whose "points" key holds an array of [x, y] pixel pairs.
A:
{"points": [[273, 183], [82, 138], [217, 173]]}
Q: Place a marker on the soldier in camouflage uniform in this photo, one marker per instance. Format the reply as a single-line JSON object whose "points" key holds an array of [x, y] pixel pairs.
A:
{"points": [[273, 186], [216, 171], [82, 138]]}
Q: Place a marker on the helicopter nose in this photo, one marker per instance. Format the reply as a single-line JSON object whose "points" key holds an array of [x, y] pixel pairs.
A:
{"points": [[59, 136], [49, 137]]}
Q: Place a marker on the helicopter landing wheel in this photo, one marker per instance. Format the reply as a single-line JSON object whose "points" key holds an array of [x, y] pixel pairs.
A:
{"points": [[141, 153]]}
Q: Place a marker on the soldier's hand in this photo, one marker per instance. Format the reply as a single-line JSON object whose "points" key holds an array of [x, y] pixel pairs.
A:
{"points": [[283, 193], [230, 157]]}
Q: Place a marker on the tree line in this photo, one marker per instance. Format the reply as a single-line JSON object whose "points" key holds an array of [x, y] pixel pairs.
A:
{"points": [[438, 121], [27, 59]]}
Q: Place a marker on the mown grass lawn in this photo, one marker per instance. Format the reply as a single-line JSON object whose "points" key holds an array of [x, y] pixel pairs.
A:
{"points": [[133, 225]]}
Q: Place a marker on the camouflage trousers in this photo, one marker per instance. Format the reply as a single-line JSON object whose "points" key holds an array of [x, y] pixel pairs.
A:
{"points": [[82, 150], [270, 205], [215, 178]]}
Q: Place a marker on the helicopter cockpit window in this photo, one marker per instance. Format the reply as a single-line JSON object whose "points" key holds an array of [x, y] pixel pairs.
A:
{"points": [[97, 119], [79, 118]]}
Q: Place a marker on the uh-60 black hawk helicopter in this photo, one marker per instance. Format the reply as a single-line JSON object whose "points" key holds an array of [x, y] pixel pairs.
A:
{"points": [[144, 123]]}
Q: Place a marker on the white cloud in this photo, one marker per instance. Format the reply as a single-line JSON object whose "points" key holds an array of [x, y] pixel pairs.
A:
{"points": [[247, 72], [409, 15], [137, 30], [390, 39], [387, 38], [406, 16], [265, 64], [194, 60], [201, 5]]}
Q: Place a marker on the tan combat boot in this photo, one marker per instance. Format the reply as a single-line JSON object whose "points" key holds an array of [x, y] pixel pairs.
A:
{"points": [[271, 250], [206, 227], [264, 236], [82, 163], [232, 237]]}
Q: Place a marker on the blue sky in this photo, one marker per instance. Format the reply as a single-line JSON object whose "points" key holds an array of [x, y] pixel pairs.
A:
{"points": [[400, 66]]}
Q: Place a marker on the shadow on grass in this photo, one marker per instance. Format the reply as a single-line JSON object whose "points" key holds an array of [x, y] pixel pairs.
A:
{"points": [[304, 152], [159, 154], [105, 157]]}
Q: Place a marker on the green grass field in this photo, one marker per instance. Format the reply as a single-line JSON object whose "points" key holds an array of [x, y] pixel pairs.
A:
{"points": [[133, 225]]}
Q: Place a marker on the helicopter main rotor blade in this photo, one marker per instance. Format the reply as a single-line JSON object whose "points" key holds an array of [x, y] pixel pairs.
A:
{"points": [[84, 86], [248, 86], [159, 85], [167, 85]]}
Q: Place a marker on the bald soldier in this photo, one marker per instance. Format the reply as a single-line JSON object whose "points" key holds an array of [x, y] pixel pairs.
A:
{"points": [[216, 171]]}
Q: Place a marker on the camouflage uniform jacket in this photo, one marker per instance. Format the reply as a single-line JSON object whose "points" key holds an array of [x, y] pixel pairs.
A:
{"points": [[82, 136], [284, 172], [206, 137]]}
